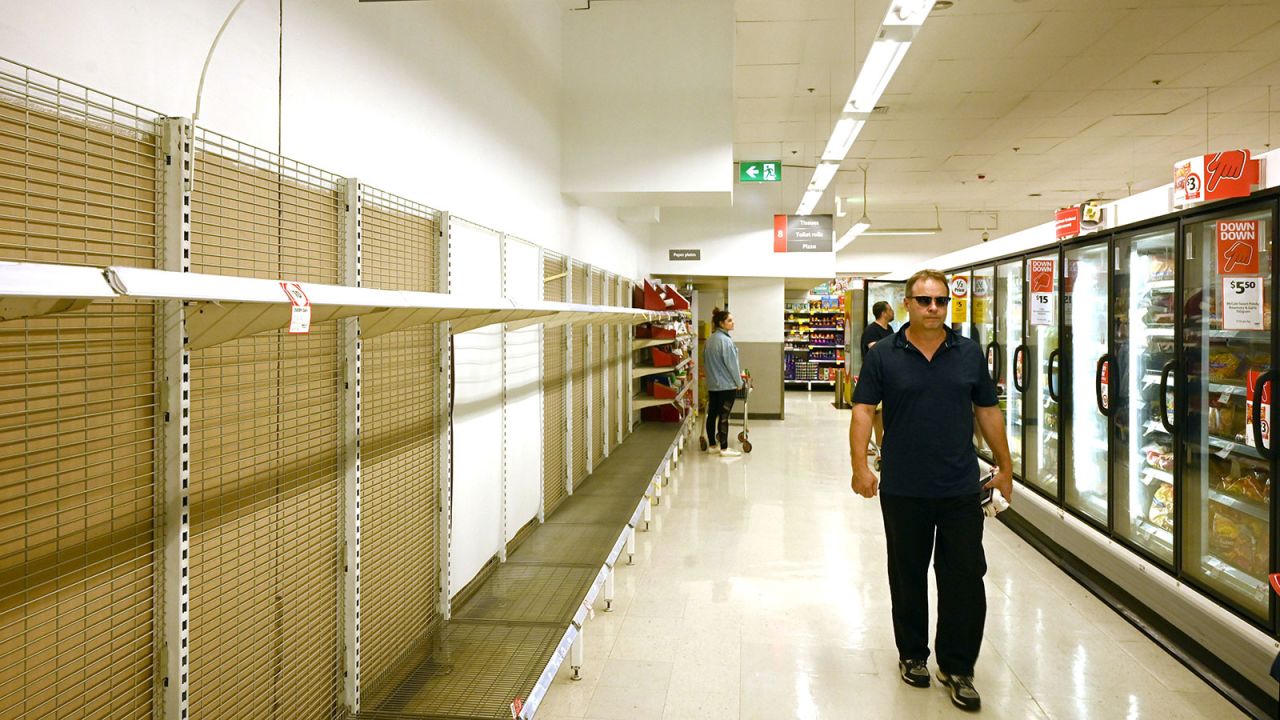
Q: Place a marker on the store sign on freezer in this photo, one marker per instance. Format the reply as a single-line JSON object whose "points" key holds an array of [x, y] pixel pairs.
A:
{"points": [[959, 299], [1216, 176], [802, 233], [1043, 305]]}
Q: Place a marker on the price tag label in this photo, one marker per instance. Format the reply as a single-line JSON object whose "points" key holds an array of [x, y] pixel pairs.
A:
{"points": [[300, 318], [1242, 307]]}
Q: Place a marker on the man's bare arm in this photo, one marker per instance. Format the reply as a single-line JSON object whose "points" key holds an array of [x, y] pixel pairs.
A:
{"points": [[991, 422], [864, 483]]}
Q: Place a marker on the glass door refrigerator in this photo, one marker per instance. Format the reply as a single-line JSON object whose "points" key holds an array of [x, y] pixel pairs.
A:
{"points": [[1041, 362], [1227, 454], [1084, 375], [1009, 348], [890, 292], [1144, 350], [982, 314]]}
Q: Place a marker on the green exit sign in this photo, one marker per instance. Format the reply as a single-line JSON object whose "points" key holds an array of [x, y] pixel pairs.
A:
{"points": [[760, 171]]}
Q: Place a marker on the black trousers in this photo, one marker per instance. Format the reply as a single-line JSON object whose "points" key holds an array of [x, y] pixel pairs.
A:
{"points": [[719, 403], [949, 529]]}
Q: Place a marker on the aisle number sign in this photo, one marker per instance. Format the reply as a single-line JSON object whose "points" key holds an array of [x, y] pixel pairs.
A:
{"points": [[760, 171], [1043, 307], [1260, 405], [300, 317], [1242, 307], [959, 299], [802, 233]]}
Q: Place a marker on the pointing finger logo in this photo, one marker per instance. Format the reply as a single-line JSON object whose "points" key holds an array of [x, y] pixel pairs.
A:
{"points": [[1228, 165], [1238, 255]]}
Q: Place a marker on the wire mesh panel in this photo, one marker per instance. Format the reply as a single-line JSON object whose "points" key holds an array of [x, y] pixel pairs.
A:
{"points": [[579, 362], [554, 389], [400, 570], [257, 214], [265, 483], [600, 404], [78, 185]]}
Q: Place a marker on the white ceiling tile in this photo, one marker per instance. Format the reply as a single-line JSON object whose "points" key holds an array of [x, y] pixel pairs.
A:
{"points": [[762, 109], [1061, 127], [1241, 23], [758, 10], [1142, 32], [1065, 33], [1162, 101], [1047, 103], [964, 37], [773, 43], [757, 151], [757, 81], [1087, 72], [1226, 68]]}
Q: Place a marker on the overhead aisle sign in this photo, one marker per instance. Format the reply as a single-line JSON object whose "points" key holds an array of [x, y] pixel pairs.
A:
{"points": [[802, 233], [760, 171], [1216, 176]]}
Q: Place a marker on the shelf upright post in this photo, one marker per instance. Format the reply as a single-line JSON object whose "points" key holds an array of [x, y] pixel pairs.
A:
{"points": [[542, 390], [571, 330], [588, 377], [173, 446], [444, 431], [502, 374], [349, 358]]}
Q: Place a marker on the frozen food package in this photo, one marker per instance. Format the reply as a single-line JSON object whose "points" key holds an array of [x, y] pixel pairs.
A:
{"points": [[1161, 513], [1224, 365], [1238, 539]]}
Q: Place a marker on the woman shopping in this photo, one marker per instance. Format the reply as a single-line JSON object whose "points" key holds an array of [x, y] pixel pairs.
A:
{"points": [[723, 381]]}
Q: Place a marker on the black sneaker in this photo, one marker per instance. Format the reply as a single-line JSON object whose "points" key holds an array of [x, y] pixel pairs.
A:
{"points": [[914, 673], [963, 694]]}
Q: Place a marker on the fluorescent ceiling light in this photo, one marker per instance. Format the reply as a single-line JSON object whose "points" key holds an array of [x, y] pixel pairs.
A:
{"points": [[882, 62], [858, 228], [847, 129], [809, 202], [822, 175], [893, 39]]}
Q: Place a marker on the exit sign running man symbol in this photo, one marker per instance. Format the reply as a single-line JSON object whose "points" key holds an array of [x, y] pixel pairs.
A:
{"points": [[759, 171]]}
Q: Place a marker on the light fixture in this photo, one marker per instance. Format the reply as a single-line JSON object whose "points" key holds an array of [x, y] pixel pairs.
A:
{"points": [[937, 228], [893, 39], [823, 174], [863, 223]]}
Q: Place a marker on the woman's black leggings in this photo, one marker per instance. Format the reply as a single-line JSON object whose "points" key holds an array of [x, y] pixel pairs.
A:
{"points": [[719, 403]]}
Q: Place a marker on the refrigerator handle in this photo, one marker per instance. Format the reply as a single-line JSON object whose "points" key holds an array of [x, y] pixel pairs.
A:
{"points": [[993, 360], [1097, 384], [1164, 396], [1050, 375], [1262, 380], [1019, 373]]}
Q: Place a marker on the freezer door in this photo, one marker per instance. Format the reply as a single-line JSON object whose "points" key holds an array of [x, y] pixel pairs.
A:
{"points": [[1042, 363], [982, 313], [1225, 424], [1143, 338], [1011, 374], [1085, 365]]}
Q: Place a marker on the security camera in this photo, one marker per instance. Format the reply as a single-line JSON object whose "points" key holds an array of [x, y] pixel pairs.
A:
{"points": [[985, 236]]}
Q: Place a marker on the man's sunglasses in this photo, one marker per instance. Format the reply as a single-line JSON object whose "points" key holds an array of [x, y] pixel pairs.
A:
{"points": [[927, 300]]}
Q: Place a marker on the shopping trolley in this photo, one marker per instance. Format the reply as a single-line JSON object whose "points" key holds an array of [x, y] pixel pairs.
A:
{"points": [[744, 437]]}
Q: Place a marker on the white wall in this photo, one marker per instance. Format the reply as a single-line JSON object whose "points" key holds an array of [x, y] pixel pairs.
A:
{"points": [[522, 406], [757, 305], [648, 110], [734, 241], [453, 104]]}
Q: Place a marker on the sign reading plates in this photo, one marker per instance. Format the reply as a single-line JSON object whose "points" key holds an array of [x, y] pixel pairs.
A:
{"points": [[300, 319], [760, 171], [683, 255], [1227, 174], [959, 299], [1043, 307], [802, 233]]}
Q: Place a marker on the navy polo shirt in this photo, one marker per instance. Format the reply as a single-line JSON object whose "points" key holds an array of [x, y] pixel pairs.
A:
{"points": [[928, 413]]}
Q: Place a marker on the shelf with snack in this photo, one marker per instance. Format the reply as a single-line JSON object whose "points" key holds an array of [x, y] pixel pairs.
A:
{"points": [[663, 364], [640, 371]]}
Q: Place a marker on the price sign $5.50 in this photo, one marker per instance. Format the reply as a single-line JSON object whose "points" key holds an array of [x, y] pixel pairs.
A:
{"points": [[1240, 287]]}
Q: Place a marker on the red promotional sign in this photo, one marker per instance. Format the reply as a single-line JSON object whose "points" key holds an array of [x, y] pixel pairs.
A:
{"points": [[1066, 223], [1238, 247], [779, 233], [1216, 176], [960, 286], [1106, 384], [1252, 405], [1042, 276]]}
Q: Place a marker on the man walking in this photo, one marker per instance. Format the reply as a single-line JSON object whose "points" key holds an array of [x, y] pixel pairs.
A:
{"points": [[933, 383]]}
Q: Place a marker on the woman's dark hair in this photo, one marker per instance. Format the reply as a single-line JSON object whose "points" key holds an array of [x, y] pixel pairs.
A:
{"points": [[718, 317]]}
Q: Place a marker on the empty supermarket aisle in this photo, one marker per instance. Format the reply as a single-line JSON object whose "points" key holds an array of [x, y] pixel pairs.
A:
{"points": [[761, 593]]}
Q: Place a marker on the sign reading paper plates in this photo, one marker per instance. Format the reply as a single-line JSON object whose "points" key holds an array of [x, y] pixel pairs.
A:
{"points": [[1216, 176], [802, 233]]}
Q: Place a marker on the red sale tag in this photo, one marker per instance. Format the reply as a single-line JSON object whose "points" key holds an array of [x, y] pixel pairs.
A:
{"points": [[1238, 247], [300, 318], [1260, 405], [1106, 384]]}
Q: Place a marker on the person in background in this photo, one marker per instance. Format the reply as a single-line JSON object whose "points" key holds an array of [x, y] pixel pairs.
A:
{"points": [[876, 331], [724, 378], [933, 383]]}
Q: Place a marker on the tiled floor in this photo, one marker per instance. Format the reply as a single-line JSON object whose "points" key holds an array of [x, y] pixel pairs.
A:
{"points": [[760, 593]]}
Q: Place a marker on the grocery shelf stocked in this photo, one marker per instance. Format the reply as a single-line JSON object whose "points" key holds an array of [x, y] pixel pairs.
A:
{"points": [[815, 347]]}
